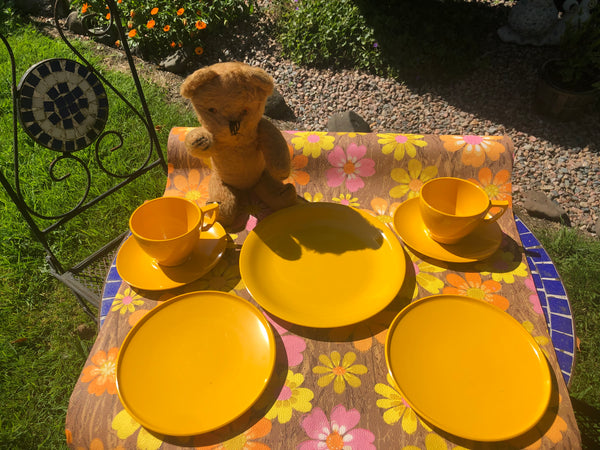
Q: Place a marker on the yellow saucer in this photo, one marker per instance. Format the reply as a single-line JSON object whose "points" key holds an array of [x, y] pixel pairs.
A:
{"points": [[141, 271], [468, 368], [480, 244], [322, 265], [195, 363]]}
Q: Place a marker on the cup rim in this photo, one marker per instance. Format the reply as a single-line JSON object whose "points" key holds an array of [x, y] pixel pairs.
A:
{"points": [[479, 188], [189, 202]]}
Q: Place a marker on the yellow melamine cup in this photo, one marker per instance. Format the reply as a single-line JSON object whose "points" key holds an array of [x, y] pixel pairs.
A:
{"points": [[451, 208], [168, 228]]}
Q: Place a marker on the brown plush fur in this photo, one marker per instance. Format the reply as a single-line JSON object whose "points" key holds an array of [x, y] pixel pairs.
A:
{"points": [[248, 153]]}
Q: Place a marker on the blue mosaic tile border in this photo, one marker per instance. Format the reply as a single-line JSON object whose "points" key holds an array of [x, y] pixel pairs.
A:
{"points": [[552, 294], [553, 298]]}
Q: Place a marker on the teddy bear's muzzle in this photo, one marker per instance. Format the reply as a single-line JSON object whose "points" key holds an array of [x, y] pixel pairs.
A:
{"points": [[234, 127]]}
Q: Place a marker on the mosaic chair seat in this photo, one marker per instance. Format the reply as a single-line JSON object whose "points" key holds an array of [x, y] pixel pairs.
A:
{"points": [[60, 112]]}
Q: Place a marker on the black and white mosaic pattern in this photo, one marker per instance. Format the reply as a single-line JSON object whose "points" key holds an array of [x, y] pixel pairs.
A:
{"points": [[62, 105]]}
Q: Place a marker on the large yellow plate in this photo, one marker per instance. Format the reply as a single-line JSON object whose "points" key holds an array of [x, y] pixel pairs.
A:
{"points": [[322, 265], [195, 363], [468, 368], [480, 244]]}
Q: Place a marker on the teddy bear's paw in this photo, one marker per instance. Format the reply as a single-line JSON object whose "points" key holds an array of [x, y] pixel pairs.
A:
{"points": [[198, 141]]}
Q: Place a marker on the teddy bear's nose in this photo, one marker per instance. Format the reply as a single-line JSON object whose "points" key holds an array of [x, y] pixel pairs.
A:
{"points": [[234, 127]]}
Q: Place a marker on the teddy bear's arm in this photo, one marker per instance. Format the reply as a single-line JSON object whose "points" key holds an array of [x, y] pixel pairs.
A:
{"points": [[275, 150]]}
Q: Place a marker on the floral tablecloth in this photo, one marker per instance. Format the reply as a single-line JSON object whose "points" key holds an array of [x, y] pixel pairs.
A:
{"points": [[330, 388]]}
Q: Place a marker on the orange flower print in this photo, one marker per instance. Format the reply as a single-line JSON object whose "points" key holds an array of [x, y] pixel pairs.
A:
{"points": [[180, 11], [181, 132], [150, 24], [297, 175], [201, 24], [247, 439], [193, 187], [101, 374], [383, 211], [132, 33], [497, 187], [154, 11], [472, 286], [474, 148]]}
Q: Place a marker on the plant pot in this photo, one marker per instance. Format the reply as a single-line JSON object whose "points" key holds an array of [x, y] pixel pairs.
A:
{"points": [[554, 99]]}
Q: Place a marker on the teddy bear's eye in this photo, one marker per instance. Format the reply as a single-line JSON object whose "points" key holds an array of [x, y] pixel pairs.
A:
{"points": [[212, 110]]}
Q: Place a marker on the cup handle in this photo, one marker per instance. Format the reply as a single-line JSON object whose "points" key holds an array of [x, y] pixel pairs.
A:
{"points": [[209, 215], [502, 204]]}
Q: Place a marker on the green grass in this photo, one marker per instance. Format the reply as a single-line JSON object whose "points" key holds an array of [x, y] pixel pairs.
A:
{"points": [[41, 354]]}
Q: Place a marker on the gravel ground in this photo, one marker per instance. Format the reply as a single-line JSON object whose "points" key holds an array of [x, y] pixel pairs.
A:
{"points": [[560, 159]]}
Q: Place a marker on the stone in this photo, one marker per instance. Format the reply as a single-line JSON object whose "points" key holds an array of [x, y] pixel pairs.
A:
{"points": [[74, 23], [175, 63], [347, 121], [276, 107], [537, 204]]}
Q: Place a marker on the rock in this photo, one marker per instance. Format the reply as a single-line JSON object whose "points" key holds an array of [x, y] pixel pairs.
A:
{"points": [[175, 63], [348, 121], [277, 108], [75, 24], [539, 205], [597, 228]]}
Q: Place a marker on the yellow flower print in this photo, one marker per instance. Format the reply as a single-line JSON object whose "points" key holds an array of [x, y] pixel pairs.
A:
{"points": [[401, 144], [312, 142], [292, 397], [126, 301], [193, 187], [313, 199], [383, 211], [224, 277], [126, 426], [347, 199], [474, 148], [396, 408], [424, 277], [339, 371], [542, 341], [503, 267], [411, 181]]}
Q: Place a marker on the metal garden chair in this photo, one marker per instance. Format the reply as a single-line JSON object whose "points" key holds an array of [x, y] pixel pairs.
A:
{"points": [[62, 105]]}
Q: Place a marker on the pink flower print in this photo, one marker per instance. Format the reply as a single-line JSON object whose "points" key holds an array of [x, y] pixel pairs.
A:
{"points": [[338, 434], [533, 298], [294, 345], [349, 166]]}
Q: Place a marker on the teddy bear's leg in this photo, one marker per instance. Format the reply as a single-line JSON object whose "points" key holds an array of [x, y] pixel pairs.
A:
{"points": [[233, 210], [274, 193], [197, 141]]}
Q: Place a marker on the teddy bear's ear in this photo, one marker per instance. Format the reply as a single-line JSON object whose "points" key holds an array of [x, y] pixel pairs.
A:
{"points": [[261, 80], [195, 80]]}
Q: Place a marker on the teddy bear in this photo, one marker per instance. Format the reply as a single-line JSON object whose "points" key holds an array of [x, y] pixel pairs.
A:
{"points": [[248, 154]]}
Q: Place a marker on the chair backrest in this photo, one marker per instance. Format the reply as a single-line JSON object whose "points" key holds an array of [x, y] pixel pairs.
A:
{"points": [[62, 106]]}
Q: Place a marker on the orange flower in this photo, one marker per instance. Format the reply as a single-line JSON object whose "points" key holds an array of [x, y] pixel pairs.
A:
{"points": [[132, 33], [246, 439], [166, 27], [173, 44], [474, 148], [472, 286], [180, 11], [497, 188], [84, 8], [108, 16], [101, 374], [117, 43], [119, 1], [153, 11], [201, 24], [132, 13], [199, 50], [150, 24]]}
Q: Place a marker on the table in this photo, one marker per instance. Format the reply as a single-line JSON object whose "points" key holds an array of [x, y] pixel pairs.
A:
{"points": [[518, 277]]}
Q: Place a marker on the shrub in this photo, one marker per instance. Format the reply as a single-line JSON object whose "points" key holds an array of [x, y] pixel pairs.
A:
{"points": [[157, 27]]}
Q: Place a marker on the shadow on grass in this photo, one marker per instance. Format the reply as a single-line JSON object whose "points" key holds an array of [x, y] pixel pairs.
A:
{"points": [[588, 420]]}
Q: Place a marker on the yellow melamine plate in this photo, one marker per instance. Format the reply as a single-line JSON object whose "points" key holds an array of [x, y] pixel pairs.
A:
{"points": [[480, 244], [468, 368], [195, 363], [141, 270], [322, 265]]}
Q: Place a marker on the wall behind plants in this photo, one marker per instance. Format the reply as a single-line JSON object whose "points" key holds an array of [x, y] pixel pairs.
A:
{"points": [[158, 27]]}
